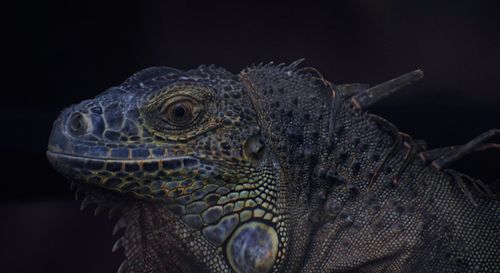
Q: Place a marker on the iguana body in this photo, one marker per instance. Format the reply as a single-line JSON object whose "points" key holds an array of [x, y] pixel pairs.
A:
{"points": [[271, 170]]}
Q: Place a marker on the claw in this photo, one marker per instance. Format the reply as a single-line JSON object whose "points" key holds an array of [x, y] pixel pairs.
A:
{"points": [[296, 63], [120, 224], [398, 142], [457, 177], [113, 212], [78, 194], [118, 244], [98, 210], [87, 201], [123, 267]]}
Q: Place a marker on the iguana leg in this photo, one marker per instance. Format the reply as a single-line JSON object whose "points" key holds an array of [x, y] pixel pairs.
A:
{"points": [[444, 157], [431, 155], [372, 95], [350, 89]]}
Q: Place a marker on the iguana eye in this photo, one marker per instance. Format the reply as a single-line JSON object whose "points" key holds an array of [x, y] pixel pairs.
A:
{"points": [[180, 111]]}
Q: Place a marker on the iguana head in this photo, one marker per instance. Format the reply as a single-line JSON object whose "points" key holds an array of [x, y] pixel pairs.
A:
{"points": [[191, 143]]}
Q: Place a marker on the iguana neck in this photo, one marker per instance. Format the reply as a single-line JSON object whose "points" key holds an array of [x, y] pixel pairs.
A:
{"points": [[155, 241]]}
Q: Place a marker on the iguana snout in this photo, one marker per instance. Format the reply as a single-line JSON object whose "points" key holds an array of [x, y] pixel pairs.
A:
{"points": [[98, 142]]}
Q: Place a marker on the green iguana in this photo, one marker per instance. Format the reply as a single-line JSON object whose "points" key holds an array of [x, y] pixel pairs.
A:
{"points": [[272, 170]]}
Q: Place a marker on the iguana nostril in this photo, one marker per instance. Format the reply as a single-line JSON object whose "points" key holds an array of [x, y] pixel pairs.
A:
{"points": [[77, 124]]}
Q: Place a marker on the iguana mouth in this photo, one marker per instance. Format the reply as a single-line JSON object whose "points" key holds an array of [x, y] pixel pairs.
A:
{"points": [[165, 178], [177, 162]]}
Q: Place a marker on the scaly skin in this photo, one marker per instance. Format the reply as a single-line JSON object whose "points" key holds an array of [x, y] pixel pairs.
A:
{"points": [[273, 170]]}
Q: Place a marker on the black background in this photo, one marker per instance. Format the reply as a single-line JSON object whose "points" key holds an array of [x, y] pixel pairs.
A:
{"points": [[59, 53]]}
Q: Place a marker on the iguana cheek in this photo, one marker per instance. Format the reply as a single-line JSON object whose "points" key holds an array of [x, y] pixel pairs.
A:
{"points": [[253, 248]]}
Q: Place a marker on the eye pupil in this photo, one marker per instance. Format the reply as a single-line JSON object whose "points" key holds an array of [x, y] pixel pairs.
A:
{"points": [[179, 111]]}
